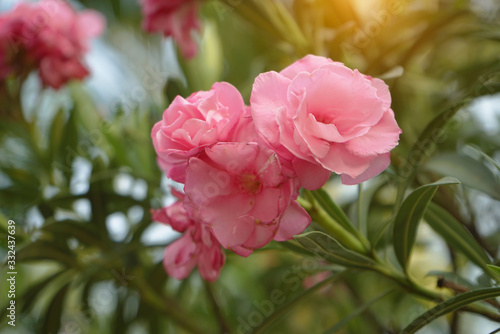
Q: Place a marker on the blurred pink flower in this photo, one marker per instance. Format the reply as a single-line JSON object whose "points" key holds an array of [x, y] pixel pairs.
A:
{"points": [[175, 18], [240, 191], [203, 119], [316, 278], [49, 36], [196, 247], [325, 117]]}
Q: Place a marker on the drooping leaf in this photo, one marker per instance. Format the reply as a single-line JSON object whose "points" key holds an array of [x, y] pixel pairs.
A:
{"points": [[496, 270], [422, 149], [331, 250], [56, 134], [30, 296], [52, 318], [365, 204], [469, 171], [456, 235], [450, 305], [454, 278], [69, 228], [44, 250], [409, 215], [484, 156]]}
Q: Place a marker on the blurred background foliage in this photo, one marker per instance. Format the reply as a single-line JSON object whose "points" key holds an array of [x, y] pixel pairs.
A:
{"points": [[78, 172]]}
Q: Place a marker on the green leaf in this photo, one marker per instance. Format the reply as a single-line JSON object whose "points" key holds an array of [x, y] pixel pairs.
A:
{"points": [[333, 210], [357, 312], [409, 215], [496, 270], [423, 147], [367, 197], [484, 156], [52, 319], [331, 250], [174, 87], [30, 296], [44, 250], [450, 305], [56, 134], [69, 228], [469, 171], [454, 278], [456, 235]]}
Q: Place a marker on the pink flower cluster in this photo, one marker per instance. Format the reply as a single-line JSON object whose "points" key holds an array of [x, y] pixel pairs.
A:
{"points": [[242, 167], [175, 18], [49, 36]]}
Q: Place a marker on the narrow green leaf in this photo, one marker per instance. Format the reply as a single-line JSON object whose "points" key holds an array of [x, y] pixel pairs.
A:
{"points": [[69, 228], [456, 235], [469, 171], [52, 319], [56, 134], [454, 232], [454, 278], [294, 247], [118, 324], [484, 156], [30, 296], [331, 250], [357, 312], [409, 215], [175, 87], [333, 210], [450, 305], [496, 270], [44, 250], [423, 147], [367, 197]]}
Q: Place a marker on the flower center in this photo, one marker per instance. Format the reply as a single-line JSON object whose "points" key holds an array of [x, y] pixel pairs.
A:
{"points": [[250, 183], [325, 116]]}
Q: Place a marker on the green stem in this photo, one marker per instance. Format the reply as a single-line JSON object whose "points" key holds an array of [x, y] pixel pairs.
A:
{"points": [[357, 243], [361, 218], [414, 288], [337, 231]]}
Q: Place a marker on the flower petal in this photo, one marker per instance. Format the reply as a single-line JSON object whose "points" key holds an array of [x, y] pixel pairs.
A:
{"points": [[294, 221], [378, 165], [311, 176]]}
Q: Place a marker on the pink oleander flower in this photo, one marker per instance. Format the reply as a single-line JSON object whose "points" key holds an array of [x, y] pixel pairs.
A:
{"points": [[325, 117], [203, 119], [49, 36], [240, 192], [196, 247], [175, 18]]}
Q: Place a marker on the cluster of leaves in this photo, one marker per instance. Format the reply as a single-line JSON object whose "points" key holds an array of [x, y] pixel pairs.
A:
{"points": [[75, 276]]}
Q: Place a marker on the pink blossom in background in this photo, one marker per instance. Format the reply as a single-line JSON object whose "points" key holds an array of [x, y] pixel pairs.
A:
{"points": [[49, 36], [325, 117], [175, 18], [196, 247], [203, 119], [241, 193]]}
